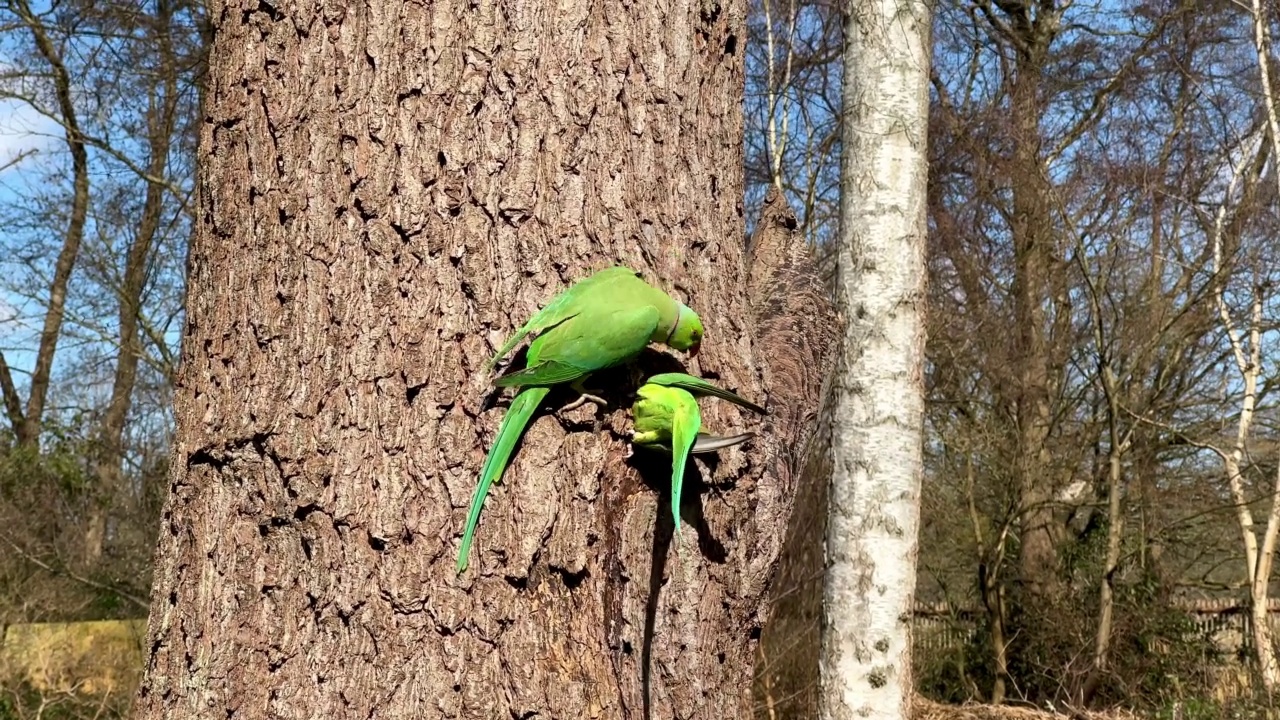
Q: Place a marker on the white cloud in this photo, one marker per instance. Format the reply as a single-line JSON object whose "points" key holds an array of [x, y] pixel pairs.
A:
{"points": [[17, 337], [23, 130], [11, 323]]}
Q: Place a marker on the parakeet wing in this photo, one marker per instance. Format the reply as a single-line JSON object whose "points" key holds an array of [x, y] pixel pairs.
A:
{"points": [[586, 343], [564, 306], [548, 372]]}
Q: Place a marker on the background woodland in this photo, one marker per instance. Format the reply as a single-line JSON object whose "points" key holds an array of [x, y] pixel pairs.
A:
{"points": [[1103, 422]]}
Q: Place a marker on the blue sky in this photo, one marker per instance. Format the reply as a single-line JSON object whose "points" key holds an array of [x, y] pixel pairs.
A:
{"points": [[21, 130], [111, 85]]}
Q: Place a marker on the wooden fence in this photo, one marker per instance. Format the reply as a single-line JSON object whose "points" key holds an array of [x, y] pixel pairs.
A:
{"points": [[1227, 623]]}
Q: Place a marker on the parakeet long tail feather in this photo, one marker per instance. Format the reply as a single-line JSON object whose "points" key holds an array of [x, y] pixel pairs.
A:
{"points": [[713, 443], [685, 424], [513, 425], [698, 386]]}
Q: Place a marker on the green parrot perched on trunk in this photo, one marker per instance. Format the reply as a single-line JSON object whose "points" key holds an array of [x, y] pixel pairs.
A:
{"points": [[666, 416], [601, 321]]}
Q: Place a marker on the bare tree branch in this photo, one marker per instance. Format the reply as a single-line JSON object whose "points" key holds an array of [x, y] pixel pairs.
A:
{"points": [[64, 572], [29, 432], [12, 402]]}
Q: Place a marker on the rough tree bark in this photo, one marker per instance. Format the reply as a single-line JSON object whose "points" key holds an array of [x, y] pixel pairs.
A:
{"points": [[877, 388], [387, 189], [786, 681]]}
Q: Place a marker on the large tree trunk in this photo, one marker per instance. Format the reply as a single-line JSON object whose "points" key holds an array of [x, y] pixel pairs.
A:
{"points": [[1032, 230], [388, 189], [877, 396]]}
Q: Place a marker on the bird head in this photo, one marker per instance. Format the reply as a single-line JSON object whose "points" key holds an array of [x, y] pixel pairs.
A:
{"points": [[687, 334]]}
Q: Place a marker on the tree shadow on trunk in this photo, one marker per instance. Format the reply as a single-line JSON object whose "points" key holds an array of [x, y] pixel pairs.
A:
{"points": [[654, 469]]}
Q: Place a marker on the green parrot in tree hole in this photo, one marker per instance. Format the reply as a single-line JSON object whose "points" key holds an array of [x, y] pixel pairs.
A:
{"points": [[666, 417], [601, 321]]}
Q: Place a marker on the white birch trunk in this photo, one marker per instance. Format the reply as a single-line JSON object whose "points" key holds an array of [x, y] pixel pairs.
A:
{"points": [[1248, 358], [878, 391], [1260, 581]]}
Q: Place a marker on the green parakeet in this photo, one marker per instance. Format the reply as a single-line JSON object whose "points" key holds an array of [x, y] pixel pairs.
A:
{"points": [[601, 321], [666, 416]]}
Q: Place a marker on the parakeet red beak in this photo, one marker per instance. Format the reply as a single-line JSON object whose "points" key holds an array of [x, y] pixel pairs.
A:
{"points": [[693, 351]]}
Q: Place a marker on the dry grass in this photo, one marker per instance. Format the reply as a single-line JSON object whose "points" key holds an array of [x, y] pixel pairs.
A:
{"points": [[924, 709], [94, 658]]}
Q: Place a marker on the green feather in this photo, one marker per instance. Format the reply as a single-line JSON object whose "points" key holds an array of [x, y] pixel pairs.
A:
{"points": [[686, 420], [547, 372], [698, 386], [563, 307], [667, 416], [592, 340], [601, 321], [599, 296], [513, 425]]}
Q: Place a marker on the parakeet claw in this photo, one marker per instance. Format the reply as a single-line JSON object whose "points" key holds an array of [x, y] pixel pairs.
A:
{"points": [[583, 399]]}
